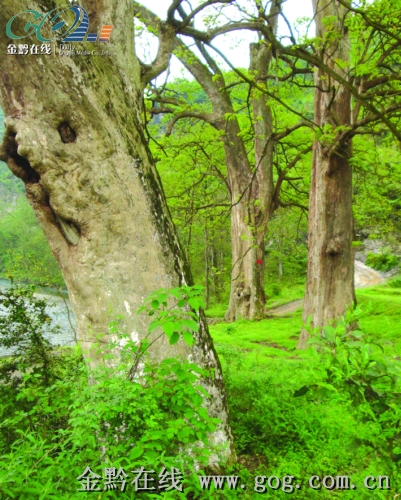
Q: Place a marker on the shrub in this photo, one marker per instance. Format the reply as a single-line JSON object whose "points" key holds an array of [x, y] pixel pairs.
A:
{"points": [[277, 434], [395, 283], [34, 366], [356, 368], [24, 325], [276, 290], [382, 262], [54, 424]]}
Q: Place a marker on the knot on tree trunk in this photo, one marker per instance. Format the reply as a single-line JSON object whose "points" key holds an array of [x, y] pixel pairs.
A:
{"points": [[67, 134], [242, 291], [334, 246], [70, 230]]}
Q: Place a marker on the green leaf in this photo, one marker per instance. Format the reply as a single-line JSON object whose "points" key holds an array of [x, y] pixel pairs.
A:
{"points": [[188, 338], [354, 343], [178, 326], [162, 297], [151, 455], [155, 324], [194, 302], [168, 328], [199, 370], [176, 292], [203, 391], [191, 324], [175, 337], [329, 333], [135, 452]]}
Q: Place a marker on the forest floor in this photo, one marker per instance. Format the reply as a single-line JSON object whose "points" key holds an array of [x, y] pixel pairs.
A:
{"points": [[279, 429], [290, 307], [281, 434], [281, 328]]}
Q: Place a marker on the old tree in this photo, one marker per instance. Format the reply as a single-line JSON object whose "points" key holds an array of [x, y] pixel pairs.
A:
{"points": [[355, 56], [253, 186], [356, 92], [74, 136]]}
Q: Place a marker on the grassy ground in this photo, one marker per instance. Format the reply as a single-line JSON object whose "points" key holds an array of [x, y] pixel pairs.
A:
{"points": [[287, 294], [277, 336], [278, 434]]}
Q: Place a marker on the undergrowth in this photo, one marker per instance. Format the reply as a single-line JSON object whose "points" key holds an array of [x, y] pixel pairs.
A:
{"points": [[314, 413]]}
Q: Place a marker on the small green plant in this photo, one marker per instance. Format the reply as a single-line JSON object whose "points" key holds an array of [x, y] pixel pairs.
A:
{"points": [[395, 283], [276, 290], [357, 370], [24, 327], [175, 311], [230, 329]]}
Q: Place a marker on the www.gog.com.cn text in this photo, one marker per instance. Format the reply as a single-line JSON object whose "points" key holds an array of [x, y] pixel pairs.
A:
{"points": [[173, 479]]}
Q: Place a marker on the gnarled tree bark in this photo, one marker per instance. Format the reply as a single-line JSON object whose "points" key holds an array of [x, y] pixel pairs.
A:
{"points": [[74, 136], [252, 190]]}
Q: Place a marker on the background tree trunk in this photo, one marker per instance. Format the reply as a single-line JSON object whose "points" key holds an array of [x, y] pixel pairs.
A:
{"points": [[207, 269], [250, 185], [247, 186], [74, 136], [252, 198], [330, 279], [248, 231]]}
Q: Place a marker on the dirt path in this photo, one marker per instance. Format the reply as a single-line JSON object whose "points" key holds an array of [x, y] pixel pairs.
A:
{"points": [[364, 276], [290, 307]]}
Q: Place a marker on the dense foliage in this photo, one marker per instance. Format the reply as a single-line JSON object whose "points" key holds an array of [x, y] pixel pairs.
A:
{"points": [[341, 409], [52, 421]]}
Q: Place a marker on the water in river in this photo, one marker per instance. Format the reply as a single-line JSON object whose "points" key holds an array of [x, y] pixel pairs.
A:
{"points": [[61, 314]]}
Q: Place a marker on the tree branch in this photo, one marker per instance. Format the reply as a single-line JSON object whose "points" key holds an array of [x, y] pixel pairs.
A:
{"points": [[370, 118], [374, 24], [171, 10], [187, 20], [166, 34], [288, 131], [299, 51], [282, 177], [206, 117]]}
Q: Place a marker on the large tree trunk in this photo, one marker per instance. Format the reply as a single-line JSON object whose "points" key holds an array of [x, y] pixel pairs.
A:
{"points": [[74, 136], [247, 296], [330, 279]]}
